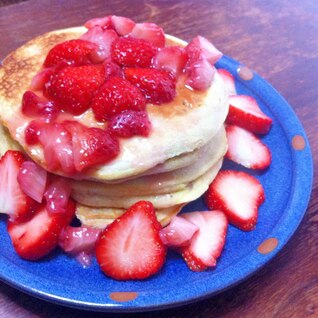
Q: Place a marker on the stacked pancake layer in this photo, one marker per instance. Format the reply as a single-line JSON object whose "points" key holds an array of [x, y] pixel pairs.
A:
{"points": [[171, 167]]}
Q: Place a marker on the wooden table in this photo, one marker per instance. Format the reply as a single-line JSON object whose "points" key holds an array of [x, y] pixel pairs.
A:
{"points": [[277, 39]]}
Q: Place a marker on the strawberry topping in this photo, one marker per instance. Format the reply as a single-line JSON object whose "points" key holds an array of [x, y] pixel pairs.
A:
{"points": [[158, 86], [116, 96], [238, 195], [73, 88], [246, 149], [130, 247], [228, 80], [72, 52], [245, 112], [132, 52]]}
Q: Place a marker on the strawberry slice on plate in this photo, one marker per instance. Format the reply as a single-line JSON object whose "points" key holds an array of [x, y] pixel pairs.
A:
{"points": [[130, 247], [38, 236], [207, 243], [13, 201], [228, 80], [246, 149], [238, 195], [245, 112]]}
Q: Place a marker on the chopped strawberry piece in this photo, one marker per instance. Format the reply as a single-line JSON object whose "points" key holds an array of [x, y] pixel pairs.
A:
{"points": [[132, 52], [112, 69], [57, 147], [32, 180], [150, 32], [246, 149], [33, 105], [13, 201], [57, 195], [38, 236], [200, 74], [178, 232], [103, 39], [228, 80], [158, 86], [130, 123], [104, 22], [116, 96], [207, 243], [200, 46], [245, 112], [122, 25], [72, 52], [91, 146], [40, 79], [32, 132], [238, 195], [130, 247], [171, 59], [72, 88]]}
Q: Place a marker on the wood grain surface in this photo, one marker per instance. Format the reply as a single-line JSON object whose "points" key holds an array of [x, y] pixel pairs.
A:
{"points": [[277, 39]]}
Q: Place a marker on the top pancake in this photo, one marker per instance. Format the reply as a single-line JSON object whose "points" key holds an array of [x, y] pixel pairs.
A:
{"points": [[179, 127]]}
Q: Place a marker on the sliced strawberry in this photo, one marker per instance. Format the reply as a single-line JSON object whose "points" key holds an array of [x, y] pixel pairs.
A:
{"points": [[207, 243], [228, 80], [150, 32], [171, 59], [245, 112], [32, 132], [158, 86], [178, 232], [13, 201], [104, 22], [112, 69], [130, 123], [116, 96], [91, 146], [34, 106], [72, 88], [38, 236], [238, 195], [132, 52], [32, 180], [72, 52], [246, 149], [103, 39], [122, 25], [130, 247], [40, 79]]}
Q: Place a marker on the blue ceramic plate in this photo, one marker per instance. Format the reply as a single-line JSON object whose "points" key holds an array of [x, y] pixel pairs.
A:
{"points": [[287, 185]]}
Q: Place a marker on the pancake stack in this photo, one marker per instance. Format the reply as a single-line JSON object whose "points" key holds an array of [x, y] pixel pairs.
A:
{"points": [[172, 166]]}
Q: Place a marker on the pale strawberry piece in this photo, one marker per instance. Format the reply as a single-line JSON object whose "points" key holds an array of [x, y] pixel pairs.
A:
{"points": [[238, 195], [207, 243], [246, 149], [38, 236], [41, 78], [32, 180], [13, 201], [171, 59], [130, 247], [200, 74], [122, 25], [104, 22], [150, 32], [103, 39], [228, 80], [178, 232], [245, 112]]}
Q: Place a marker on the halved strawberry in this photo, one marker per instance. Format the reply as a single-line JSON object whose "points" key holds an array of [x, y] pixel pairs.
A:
{"points": [[245, 112], [228, 80], [178, 232], [104, 22], [115, 96], [72, 52], [13, 201], [207, 243], [238, 195], [158, 86], [38, 236], [171, 59], [246, 149], [130, 247], [150, 32], [132, 52], [130, 123], [122, 25], [41, 78], [72, 88]]}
